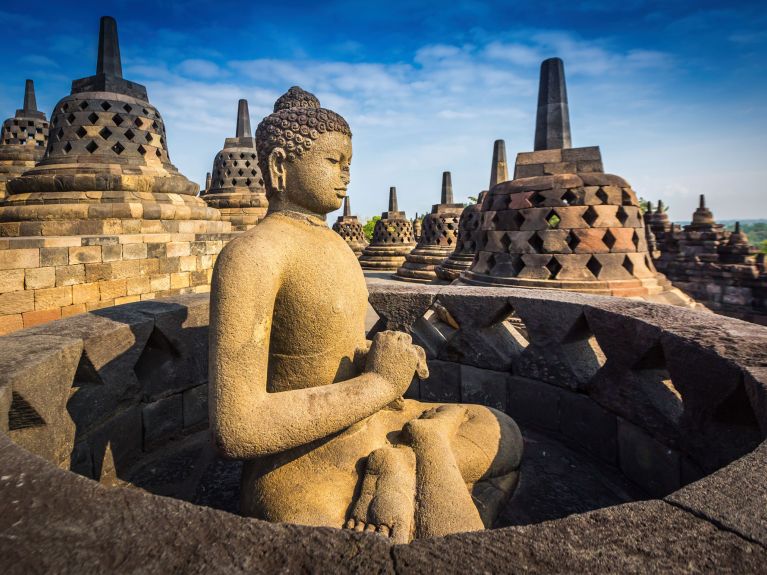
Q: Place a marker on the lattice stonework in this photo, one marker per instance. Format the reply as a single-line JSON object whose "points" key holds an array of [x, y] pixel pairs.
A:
{"points": [[25, 132], [106, 127], [393, 232], [236, 169], [440, 230], [350, 231]]}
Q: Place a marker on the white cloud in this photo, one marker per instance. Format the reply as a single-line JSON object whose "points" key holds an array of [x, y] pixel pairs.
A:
{"points": [[443, 109]]}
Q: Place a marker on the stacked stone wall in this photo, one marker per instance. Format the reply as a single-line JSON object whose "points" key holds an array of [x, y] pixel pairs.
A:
{"points": [[47, 278]]}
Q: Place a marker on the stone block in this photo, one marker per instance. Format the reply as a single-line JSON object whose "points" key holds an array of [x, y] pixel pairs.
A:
{"points": [[137, 285], [134, 251], [197, 278], [169, 265], [109, 290], [17, 302], [85, 255], [98, 272], [734, 497], [541, 157], [179, 280], [559, 168], [18, 259], [178, 249], [85, 293], [10, 323], [162, 419], [70, 275], [534, 403], [485, 387], [111, 252], [588, 424], [528, 171], [160, 282], [125, 269], [127, 299], [11, 280], [443, 384], [195, 404], [53, 297], [156, 250], [581, 154], [37, 317], [74, 309], [647, 462]]}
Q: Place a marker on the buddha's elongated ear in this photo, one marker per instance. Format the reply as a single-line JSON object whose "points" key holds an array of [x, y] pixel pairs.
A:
{"points": [[277, 173]]}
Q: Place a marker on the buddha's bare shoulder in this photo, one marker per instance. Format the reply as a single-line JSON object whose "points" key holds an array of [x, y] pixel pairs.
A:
{"points": [[265, 246]]}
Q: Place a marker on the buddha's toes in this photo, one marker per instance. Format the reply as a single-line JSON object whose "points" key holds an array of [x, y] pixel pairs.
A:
{"points": [[386, 501]]}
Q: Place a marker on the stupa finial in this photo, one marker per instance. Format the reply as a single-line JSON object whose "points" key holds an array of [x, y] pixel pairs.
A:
{"points": [[552, 125], [30, 102], [702, 201], [660, 206], [447, 189], [499, 171], [347, 207], [109, 49], [737, 227], [393, 199], [243, 120], [649, 207]]}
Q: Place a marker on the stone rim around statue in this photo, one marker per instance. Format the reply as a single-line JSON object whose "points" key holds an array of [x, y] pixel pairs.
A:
{"points": [[438, 238], [106, 158], [392, 239], [23, 139], [235, 186]]}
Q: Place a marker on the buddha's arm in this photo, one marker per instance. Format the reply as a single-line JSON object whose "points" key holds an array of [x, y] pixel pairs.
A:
{"points": [[246, 420]]}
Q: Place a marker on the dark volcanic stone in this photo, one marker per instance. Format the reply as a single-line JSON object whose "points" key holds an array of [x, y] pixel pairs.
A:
{"points": [[734, 497], [648, 537]]}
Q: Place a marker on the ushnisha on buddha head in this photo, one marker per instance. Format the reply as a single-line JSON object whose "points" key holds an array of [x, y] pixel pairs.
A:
{"points": [[304, 152]]}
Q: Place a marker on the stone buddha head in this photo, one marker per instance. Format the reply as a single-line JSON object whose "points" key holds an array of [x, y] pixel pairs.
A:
{"points": [[304, 152]]}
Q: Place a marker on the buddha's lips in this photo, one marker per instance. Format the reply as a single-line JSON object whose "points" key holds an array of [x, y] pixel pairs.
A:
{"points": [[341, 192]]}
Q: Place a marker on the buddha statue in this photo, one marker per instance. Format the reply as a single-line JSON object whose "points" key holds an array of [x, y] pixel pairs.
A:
{"points": [[296, 391]]}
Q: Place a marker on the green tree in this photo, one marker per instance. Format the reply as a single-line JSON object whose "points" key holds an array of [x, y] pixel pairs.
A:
{"points": [[369, 226], [763, 247]]}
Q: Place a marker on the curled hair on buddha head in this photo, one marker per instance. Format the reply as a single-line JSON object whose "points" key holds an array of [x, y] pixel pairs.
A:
{"points": [[296, 122]]}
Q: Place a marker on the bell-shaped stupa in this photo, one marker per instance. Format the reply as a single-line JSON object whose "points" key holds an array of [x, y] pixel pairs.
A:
{"points": [[350, 229], [438, 238], [392, 239], [468, 226], [236, 186], [562, 222], [23, 139], [106, 167], [104, 218]]}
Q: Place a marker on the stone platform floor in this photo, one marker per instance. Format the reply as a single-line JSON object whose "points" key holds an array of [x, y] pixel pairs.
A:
{"points": [[555, 481]]}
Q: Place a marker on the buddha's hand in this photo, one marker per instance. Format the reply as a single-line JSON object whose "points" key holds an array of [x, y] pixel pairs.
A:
{"points": [[393, 356]]}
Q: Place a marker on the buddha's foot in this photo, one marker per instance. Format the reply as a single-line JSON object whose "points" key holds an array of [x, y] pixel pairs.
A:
{"points": [[444, 420], [386, 501]]}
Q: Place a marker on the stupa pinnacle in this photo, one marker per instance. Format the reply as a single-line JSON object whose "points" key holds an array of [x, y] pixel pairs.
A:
{"points": [[237, 186], [350, 229], [23, 139], [562, 222], [468, 226], [392, 239], [438, 238]]}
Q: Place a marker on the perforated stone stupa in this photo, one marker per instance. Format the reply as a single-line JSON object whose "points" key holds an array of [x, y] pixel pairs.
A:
{"points": [[438, 238], [23, 139], [562, 222], [104, 218], [236, 186], [350, 229], [392, 239], [468, 226]]}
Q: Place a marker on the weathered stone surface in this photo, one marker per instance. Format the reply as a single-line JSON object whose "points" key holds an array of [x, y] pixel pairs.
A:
{"points": [[162, 419], [646, 461], [443, 384], [195, 406], [734, 497], [534, 403], [172, 535], [633, 538], [589, 425], [485, 387]]}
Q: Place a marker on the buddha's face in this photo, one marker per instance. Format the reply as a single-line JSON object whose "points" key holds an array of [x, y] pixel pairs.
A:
{"points": [[317, 180]]}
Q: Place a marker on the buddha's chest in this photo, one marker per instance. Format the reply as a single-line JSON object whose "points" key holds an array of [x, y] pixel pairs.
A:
{"points": [[322, 304]]}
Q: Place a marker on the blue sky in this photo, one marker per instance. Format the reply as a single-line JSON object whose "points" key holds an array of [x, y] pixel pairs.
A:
{"points": [[674, 92]]}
